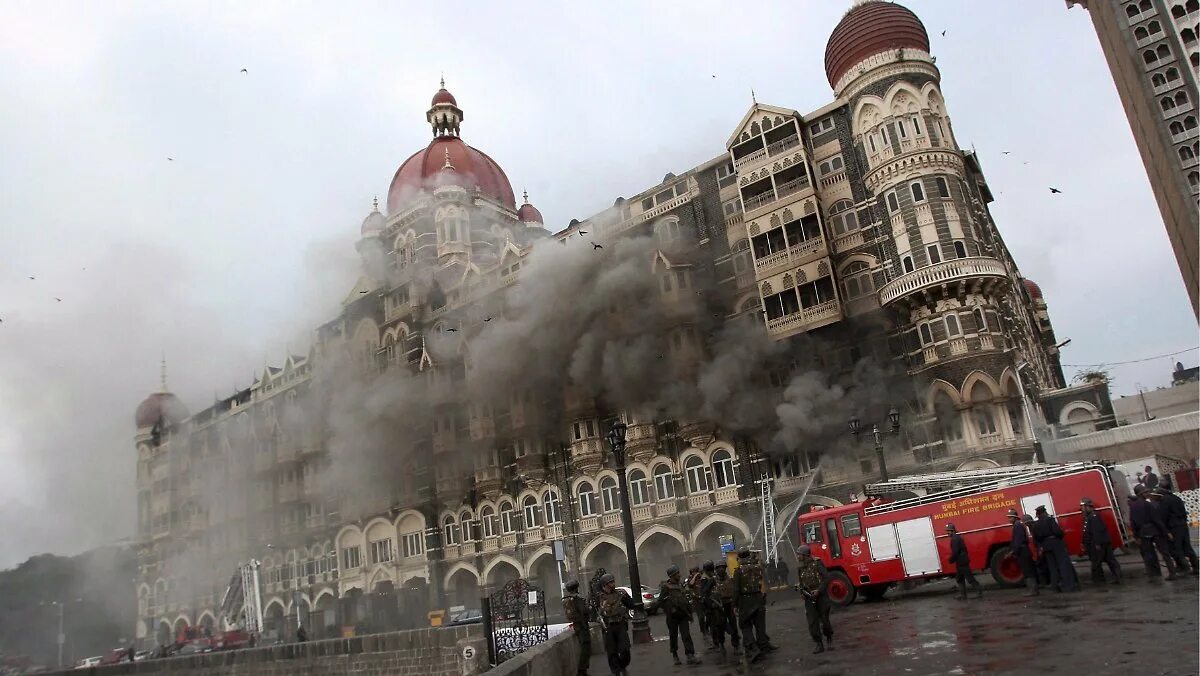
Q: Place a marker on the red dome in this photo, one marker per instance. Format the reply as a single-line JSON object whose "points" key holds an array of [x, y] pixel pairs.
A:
{"points": [[869, 29], [1034, 290], [443, 96], [158, 407], [474, 168], [529, 214]]}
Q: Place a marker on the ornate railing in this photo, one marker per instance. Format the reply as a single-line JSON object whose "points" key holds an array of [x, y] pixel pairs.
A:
{"points": [[941, 273]]}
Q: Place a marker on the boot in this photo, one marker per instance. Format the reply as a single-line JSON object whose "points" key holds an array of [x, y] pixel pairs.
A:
{"points": [[819, 649], [675, 657], [1031, 587], [961, 592], [770, 648], [692, 660], [978, 592]]}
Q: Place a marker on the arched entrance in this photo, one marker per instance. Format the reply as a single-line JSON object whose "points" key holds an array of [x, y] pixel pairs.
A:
{"points": [[656, 554], [164, 635], [208, 625], [545, 575], [274, 623], [501, 574], [181, 626], [385, 612], [324, 619], [463, 589], [609, 557]]}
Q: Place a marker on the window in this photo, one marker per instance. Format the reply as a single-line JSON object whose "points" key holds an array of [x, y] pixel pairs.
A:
{"points": [[590, 427], [697, 479], [1185, 153], [893, 203], [491, 526], [900, 128], [883, 135], [985, 423], [871, 142], [925, 333], [552, 504], [608, 494], [952, 327], [960, 249], [943, 188], [412, 544], [1149, 57], [821, 126], [668, 230], [842, 217], [1194, 178], [1158, 80], [664, 482], [831, 165], [1172, 74], [533, 515], [851, 526], [916, 123], [980, 320], [587, 499], [812, 532], [918, 192], [935, 254], [351, 558], [722, 465], [1181, 98], [733, 206], [639, 488], [467, 524], [907, 263], [857, 279], [381, 551], [1163, 52], [578, 431], [1167, 103], [507, 524], [450, 531]]}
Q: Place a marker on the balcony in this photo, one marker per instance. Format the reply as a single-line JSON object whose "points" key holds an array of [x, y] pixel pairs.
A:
{"points": [[611, 520], [770, 261], [790, 484], [941, 274], [958, 346], [665, 508], [700, 501], [734, 219], [800, 252], [533, 535], [1178, 110], [835, 177], [848, 241], [751, 203], [752, 157], [508, 542], [643, 513], [727, 495], [783, 145], [1185, 135], [821, 311], [929, 354], [793, 186], [589, 523], [553, 531], [491, 544]]}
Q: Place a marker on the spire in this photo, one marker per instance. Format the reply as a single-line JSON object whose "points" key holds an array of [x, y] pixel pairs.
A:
{"points": [[447, 165], [375, 203], [752, 97], [525, 195], [162, 372], [442, 81]]}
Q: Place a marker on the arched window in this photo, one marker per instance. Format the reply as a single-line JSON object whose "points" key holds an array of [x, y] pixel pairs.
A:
{"points": [[1154, 27], [1163, 51], [722, 466], [553, 511], [1193, 6], [1166, 103], [960, 249], [697, 479], [533, 515], [1158, 80], [949, 419], [1185, 153], [952, 327], [667, 230], [856, 279], [918, 192], [926, 334], [450, 530], [608, 494], [1140, 33], [1131, 11], [1177, 12], [842, 217], [1172, 74], [587, 499], [1176, 127], [491, 526], [1194, 178], [664, 482], [1181, 98], [467, 524], [507, 520], [1195, 59], [893, 204], [741, 256], [1149, 57], [908, 263], [639, 488], [980, 320], [981, 410], [1189, 122]]}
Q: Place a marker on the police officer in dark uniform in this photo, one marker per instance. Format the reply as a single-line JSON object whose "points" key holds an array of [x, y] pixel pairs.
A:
{"points": [[712, 608], [1097, 542], [575, 609], [751, 606], [728, 595], [675, 600], [1151, 533], [1021, 547], [1049, 538], [811, 578], [1176, 516], [613, 606], [962, 565]]}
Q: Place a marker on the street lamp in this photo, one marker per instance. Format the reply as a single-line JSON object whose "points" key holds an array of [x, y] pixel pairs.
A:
{"points": [[616, 439], [894, 428]]}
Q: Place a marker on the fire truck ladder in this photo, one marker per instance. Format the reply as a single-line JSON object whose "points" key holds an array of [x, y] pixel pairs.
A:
{"points": [[948, 485], [767, 502]]}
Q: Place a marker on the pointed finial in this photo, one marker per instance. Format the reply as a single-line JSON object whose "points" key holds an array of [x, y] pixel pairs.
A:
{"points": [[447, 165], [525, 196], [375, 203], [752, 97], [162, 374], [442, 82]]}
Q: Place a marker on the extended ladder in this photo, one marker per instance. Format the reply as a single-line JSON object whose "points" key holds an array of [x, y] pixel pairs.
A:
{"points": [[770, 541]]}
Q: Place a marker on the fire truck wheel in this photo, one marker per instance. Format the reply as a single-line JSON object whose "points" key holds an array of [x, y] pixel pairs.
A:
{"points": [[1005, 569], [841, 591], [874, 592]]}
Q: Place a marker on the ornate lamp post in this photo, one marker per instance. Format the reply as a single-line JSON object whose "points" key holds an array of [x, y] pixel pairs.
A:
{"points": [[616, 439], [894, 422]]}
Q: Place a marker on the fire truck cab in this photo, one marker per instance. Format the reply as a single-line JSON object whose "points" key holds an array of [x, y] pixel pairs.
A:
{"points": [[887, 538]]}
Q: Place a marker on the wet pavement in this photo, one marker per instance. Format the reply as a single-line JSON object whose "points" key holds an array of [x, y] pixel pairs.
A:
{"points": [[1143, 626]]}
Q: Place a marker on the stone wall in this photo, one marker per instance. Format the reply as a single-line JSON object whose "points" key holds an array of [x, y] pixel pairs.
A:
{"points": [[557, 657], [439, 651]]}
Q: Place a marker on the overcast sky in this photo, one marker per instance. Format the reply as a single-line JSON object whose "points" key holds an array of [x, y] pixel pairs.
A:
{"points": [[225, 255]]}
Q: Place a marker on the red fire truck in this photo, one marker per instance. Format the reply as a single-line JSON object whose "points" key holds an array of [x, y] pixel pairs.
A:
{"points": [[870, 545]]}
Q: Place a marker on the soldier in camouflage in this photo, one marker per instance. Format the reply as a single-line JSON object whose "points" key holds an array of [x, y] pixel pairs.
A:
{"points": [[613, 606], [727, 594], [751, 605], [575, 609], [675, 600], [693, 586], [811, 582], [713, 609]]}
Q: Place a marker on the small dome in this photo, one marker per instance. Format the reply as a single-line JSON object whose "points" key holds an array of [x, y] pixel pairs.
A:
{"points": [[160, 407], [443, 96], [529, 213], [374, 222], [1034, 290], [871, 28]]}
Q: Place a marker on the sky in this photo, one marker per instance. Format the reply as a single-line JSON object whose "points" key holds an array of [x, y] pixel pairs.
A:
{"points": [[166, 204]]}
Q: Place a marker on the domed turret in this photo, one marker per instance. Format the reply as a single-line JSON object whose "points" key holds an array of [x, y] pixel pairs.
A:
{"points": [[160, 408], [374, 222], [528, 213], [870, 28]]}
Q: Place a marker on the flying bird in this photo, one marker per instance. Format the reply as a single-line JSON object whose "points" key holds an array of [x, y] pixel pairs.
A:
{"points": [[596, 246], [583, 232], [363, 292], [1005, 152], [58, 299], [714, 76], [451, 330], [31, 276], [1056, 191], [170, 159], [488, 319], [245, 71], [943, 33]]}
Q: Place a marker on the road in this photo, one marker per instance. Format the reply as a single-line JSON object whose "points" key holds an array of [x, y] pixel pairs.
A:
{"points": [[1140, 627]]}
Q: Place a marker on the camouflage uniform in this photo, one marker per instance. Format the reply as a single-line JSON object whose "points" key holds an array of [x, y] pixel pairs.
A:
{"points": [[613, 608], [728, 595], [675, 599], [713, 609], [575, 609], [812, 578], [751, 604]]}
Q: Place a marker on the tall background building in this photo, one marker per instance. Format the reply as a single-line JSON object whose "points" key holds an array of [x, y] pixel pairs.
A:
{"points": [[1153, 53], [447, 426]]}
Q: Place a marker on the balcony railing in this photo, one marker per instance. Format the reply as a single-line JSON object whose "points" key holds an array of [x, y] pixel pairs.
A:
{"points": [[820, 311], [727, 495], [734, 218], [939, 274], [700, 501], [802, 250], [747, 159], [752, 203], [665, 508], [783, 144], [611, 519], [835, 177], [771, 260], [848, 241], [792, 186], [643, 513], [958, 346]]}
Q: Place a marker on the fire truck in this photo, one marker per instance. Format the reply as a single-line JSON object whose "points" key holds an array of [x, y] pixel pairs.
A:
{"points": [[898, 531]]}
